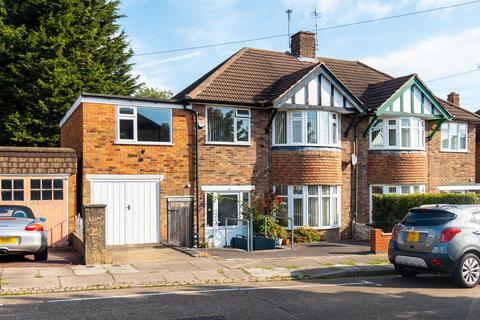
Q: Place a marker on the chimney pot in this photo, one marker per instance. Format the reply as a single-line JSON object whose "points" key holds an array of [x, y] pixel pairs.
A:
{"points": [[454, 98], [303, 45]]}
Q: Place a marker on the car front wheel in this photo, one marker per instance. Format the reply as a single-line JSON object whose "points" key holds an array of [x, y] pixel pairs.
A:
{"points": [[41, 255], [467, 273], [404, 272]]}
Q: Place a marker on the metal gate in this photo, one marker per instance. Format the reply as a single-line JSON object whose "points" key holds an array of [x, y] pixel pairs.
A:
{"points": [[180, 221]]}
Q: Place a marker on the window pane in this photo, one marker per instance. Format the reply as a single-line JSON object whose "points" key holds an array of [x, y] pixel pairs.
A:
{"points": [[209, 210], [392, 189], [445, 139], [126, 110], [296, 131], [377, 135], [281, 190], [46, 184], [298, 212], [416, 189], [463, 141], [18, 195], [312, 190], [405, 189], [243, 113], [405, 137], [46, 194], [34, 195], [17, 184], [35, 184], [323, 130], [334, 129], [7, 195], [325, 190], [58, 183], [297, 189], [325, 211], [392, 137], [220, 124], [227, 207], [377, 190], [281, 127], [312, 129], [126, 129], [153, 124], [313, 211], [335, 211], [6, 184], [58, 194], [243, 128], [415, 137]]}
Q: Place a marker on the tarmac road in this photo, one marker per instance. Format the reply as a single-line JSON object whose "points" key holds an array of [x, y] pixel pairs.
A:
{"points": [[389, 297]]}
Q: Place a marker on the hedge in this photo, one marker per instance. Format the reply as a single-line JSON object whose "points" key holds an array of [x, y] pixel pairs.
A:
{"points": [[389, 209]]}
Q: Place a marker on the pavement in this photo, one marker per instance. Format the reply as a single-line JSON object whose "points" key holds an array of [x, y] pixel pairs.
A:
{"points": [[163, 266], [386, 297]]}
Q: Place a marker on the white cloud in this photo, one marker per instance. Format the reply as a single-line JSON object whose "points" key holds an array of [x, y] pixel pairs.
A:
{"points": [[153, 61]]}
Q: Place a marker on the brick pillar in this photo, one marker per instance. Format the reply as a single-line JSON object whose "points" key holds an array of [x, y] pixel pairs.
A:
{"points": [[379, 241], [94, 234]]}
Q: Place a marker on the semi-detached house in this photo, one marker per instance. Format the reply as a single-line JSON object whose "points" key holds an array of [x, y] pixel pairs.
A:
{"points": [[322, 133]]}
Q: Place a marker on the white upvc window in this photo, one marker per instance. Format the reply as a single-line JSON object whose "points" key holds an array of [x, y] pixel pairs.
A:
{"points": [[454, 137], [228, 125], [306, 127], [144, 125], [316, 206], [398, 133]]}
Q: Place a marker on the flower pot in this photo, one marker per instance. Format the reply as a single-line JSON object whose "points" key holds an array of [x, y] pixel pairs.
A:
{"points": [[286, 242]]}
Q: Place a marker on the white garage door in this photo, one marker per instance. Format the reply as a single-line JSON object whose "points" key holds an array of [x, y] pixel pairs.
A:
{"points": [[132, 213]]}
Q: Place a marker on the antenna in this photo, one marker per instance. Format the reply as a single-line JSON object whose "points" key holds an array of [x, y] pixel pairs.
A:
{"points": [[289, 12], [316, 15]]}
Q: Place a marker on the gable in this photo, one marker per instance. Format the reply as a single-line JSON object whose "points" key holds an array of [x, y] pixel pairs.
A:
{"points": [[319, 87]]}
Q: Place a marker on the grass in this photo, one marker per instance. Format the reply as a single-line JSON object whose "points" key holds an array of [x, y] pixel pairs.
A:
{"points": [[292, 267], [266, 268], [38, 276], [348, 263], [376, 262], [221, 271], [327, 264]]}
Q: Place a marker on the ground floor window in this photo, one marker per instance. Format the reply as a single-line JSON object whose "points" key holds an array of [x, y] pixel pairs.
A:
{"points": [[316, 206]]}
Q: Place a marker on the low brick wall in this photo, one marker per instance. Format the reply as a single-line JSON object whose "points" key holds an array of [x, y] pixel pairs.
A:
{"points": [[94, 243], [379, 241]]}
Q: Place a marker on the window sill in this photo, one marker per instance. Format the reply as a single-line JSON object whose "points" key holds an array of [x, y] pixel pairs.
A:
{"points": [[141, 143], [238, 144], [453, 151]]}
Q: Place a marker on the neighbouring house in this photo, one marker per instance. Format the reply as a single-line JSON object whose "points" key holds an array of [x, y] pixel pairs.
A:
{"points": [[324, 134], [43, 179]]}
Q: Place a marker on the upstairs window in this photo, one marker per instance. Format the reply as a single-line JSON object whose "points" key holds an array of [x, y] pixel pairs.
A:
{"points": [[398, 133], [228, 125], [144, 125], [454, 136], [306, 127]]}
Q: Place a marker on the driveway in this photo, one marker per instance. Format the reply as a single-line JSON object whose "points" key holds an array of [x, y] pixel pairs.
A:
{"points": [[57, 257]]}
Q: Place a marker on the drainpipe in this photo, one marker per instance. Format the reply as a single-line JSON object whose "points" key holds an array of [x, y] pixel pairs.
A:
{"points": [[355, 152], [197, 208]]}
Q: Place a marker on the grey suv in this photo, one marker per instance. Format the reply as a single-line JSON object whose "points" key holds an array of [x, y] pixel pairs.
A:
{"points": [[438, 238]]}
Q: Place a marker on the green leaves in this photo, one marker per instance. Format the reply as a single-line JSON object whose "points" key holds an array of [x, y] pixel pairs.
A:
{"points": [[50, 52]]}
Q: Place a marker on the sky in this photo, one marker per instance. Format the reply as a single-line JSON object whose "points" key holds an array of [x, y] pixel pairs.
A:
{"points": [[433, 45]]}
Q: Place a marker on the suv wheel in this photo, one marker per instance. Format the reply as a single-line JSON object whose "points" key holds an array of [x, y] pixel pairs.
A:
{"points": [[467, 273], [41, 255], [404, 272]]}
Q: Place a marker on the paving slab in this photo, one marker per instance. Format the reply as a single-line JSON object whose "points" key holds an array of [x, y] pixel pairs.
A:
{"points": [[179, 276], [269, 273], [31, 283], [184, 266], [12, 272], [206, 264], [208, 275], [88, 270], [120, 268], [138, 278], [235, 274], [150, 266], [55, 272], [86, 280]]}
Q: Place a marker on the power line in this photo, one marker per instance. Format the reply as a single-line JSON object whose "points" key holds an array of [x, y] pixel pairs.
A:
{"points": [[454, 75], [314, 30]]}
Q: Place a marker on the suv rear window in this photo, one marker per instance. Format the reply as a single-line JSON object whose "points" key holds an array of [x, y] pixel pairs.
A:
{"points": [[428, 217]]}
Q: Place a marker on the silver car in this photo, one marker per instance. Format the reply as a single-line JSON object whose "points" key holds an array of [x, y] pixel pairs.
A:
{"points": [[439, 238], [22, 233]]}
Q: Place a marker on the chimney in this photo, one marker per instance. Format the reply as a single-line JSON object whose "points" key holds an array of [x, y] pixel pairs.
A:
{"points": [[454, 98], [302, 44]]}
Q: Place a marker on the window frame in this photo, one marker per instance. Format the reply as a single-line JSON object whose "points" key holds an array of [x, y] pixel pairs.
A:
{"points": [[236, 117], [12, 189], [215, 198], [134, 117], [304, 121], [447, 131], [52, 189], [385, 130]]}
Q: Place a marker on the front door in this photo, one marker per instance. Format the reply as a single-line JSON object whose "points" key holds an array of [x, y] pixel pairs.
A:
{"points": [[223, 211]]}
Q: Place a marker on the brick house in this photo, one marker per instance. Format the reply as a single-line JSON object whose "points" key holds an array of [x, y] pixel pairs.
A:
{"points": [[324, 134]]}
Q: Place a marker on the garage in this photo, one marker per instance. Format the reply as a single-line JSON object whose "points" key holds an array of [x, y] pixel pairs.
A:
{"points": [[133, 207]]}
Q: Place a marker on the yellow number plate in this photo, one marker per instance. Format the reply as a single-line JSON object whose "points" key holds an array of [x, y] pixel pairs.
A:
{"points": [[8, 240], [413, 236]]}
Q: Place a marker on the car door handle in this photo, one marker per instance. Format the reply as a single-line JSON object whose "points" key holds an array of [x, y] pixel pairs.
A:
{"points": [[476, 232]]}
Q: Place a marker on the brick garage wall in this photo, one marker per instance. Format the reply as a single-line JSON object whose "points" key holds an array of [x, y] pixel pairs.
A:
{"points": [[397, 167], [93, 136], [445, 168]]}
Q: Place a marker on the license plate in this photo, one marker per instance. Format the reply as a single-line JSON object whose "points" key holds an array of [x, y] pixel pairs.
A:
{"points": [[8, 240], [413, 236]]}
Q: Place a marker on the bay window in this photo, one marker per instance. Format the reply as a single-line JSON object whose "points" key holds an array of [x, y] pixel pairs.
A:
{"points": [[398, 133], [144, 125], [314, 206], [454, 136], [228, 125], [306, 127]]}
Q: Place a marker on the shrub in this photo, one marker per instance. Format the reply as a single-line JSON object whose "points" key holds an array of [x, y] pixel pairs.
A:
{"points": [[390, 209], [307, 234], [263, 208]]}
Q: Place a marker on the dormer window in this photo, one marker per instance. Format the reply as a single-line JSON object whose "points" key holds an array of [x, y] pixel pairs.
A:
{"points": [[306, 127], [398, 133]]}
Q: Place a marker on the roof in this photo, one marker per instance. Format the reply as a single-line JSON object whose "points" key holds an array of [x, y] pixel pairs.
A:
{"points": [[256, 76]]}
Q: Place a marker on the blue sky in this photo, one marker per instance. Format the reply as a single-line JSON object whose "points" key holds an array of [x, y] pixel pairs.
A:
{"points": [[432, 44]]}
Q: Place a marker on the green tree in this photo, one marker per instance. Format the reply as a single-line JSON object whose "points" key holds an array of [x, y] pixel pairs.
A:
{"points": [[154, 93], [50, 52]]}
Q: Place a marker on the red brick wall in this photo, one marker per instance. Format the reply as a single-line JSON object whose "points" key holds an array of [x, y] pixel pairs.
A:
{"points": [[396, 167], [379, 241]]}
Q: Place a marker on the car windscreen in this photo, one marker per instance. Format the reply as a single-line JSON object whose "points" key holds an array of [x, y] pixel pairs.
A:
{"points": [[430, 217], [16, 212]]}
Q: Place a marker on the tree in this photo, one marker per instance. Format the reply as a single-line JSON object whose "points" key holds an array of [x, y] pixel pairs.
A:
{"points": [[150, 92], [50, 52]]}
